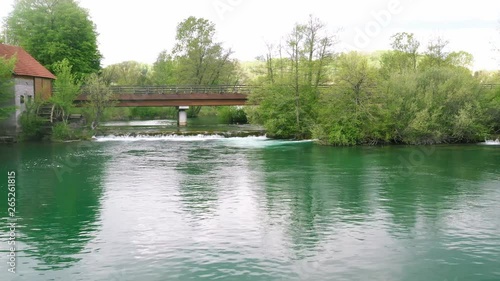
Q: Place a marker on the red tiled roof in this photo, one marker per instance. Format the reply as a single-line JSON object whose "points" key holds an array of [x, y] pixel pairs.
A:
{"points": [[26, 65]]}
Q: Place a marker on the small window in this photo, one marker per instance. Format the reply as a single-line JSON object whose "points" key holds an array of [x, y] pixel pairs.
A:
{"points": [[21, 99]]}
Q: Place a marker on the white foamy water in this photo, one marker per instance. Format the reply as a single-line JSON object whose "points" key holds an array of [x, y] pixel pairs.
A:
{"points": [[257, 142], [491, 142], [140, 123], [157, 138], [244, 142]]}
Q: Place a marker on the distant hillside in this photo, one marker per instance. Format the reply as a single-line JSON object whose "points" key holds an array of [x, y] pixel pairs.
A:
{"points": [[251, 69]]}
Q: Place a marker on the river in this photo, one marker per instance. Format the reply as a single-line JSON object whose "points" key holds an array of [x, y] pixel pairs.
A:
{"points": [[212, 208]]}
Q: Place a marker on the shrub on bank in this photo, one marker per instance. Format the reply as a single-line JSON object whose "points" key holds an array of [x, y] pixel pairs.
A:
{"points": [[32, 127], [152, 112], [61, 131], [64, 132], [231, 115]]}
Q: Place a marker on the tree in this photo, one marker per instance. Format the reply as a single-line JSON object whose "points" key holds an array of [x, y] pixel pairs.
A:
{"points": [[460, 59], [200, 59], [6, 86], [492, 110], [294, 79], [408, 98], [53, 30], [346, 111], [164, 70], [435, 54], [449, 108], [398, 100], [318, 48], [294, 43], [66, 88], [406, 44], [99, 96], [127, 73], [403, 57]]}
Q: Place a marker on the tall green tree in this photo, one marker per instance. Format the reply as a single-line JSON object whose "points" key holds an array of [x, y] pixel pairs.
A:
{"points": [[53, 30], [436, 54], [403, 57], [295, 41], [346, 109], [449, 108], [200, 59], [492, 110], [293, 73], [6, 86], [66, 86]]}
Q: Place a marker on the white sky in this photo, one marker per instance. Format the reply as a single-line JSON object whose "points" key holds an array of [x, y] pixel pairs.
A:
{"points": [[139, 30]]}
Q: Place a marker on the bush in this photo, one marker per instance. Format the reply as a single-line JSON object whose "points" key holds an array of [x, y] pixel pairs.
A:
{"points": [[117, 113], [208, 111], [277, 111], [32, 127], [61, 131], [152, 112], [231, 115]]}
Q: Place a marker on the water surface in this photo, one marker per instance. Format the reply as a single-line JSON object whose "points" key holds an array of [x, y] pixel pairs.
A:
{"points": [[212, 208]]}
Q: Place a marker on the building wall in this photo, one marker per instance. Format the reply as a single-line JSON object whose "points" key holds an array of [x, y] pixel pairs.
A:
{"points": [[24, 89], [43, 87]]}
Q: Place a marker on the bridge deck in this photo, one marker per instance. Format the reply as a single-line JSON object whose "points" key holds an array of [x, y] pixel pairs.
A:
{"points": [[195, 99], [187, 95], [219, 95]]}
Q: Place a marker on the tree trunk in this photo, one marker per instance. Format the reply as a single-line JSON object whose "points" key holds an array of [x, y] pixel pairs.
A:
{"points": [[297, 93]]}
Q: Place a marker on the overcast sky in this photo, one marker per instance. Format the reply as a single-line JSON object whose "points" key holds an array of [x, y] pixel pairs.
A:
{"points": [[139, 30]]}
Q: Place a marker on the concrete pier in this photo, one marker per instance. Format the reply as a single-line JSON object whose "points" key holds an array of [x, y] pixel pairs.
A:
{"points": [[182, 119]]}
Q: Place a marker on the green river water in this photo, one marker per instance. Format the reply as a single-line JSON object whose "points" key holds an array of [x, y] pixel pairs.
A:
{"points": [[209, 208]]}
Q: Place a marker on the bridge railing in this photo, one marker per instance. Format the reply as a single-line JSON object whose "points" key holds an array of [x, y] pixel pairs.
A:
{"points": [[180, 89], [489, 85], [199, 89]]}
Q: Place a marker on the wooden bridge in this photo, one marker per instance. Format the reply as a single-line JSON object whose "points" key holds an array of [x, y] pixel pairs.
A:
{"points": [[219, 95]]}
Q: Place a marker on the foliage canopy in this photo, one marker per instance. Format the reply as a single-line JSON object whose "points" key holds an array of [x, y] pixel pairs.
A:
{"points": [[53, 30], [6, 86]]}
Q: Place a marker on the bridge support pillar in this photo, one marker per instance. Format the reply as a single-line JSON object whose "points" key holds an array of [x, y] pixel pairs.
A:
{"points": [[182, 118]]}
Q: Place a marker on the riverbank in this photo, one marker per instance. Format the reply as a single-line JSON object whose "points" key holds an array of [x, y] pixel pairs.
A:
{"points": [[115, 132], [206, 126]]}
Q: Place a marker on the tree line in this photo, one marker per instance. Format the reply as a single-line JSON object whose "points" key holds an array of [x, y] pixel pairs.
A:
{"points": [[409, 94], [402, 96]]}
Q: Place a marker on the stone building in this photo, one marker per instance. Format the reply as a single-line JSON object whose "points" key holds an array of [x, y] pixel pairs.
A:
{"points": [[31, 79]]}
